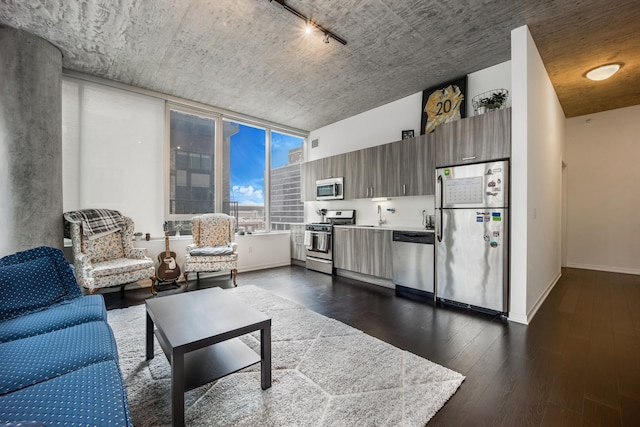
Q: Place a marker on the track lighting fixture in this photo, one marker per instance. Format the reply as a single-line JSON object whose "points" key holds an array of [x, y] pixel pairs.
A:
{"points": [[310, 24]]}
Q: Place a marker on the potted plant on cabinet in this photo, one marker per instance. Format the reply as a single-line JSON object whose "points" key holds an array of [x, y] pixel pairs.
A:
{"points": [[491, 100]]}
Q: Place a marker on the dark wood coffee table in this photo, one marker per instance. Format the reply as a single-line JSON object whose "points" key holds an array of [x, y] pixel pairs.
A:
{"points": [[198, 333]]}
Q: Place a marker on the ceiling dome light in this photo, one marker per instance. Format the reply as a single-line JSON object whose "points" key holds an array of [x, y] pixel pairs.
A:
{"points": [[308, 29], [603, 72]]}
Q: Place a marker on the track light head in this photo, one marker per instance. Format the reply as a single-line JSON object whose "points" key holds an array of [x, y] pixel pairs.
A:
{"points": [[310, 25]]}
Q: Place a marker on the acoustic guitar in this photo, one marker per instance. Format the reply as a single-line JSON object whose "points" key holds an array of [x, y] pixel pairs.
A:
{"points": [[168, 269]]}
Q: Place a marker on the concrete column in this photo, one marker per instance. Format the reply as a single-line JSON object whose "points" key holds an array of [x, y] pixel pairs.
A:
{"points": [[30, 142]]}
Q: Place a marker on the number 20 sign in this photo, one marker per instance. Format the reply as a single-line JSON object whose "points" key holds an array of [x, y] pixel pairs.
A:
{"points": [[442, 104]]}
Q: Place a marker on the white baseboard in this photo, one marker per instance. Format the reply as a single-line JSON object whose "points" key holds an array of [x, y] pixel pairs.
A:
{"points": [[247, 268], [518, 318], [526, 319], [543, 297], [607, 268]]}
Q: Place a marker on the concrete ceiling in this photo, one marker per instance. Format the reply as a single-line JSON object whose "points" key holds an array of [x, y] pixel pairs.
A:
{"points": [[250, 56]]}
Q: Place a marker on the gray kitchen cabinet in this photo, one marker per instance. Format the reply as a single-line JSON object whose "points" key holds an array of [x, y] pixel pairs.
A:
{"points": [[298, 251], [309, 173], [344, 255], [328, 167], [410, 167], [334, 166], [375, 251], [474, 139], [356, 179], [363, 250], [365, 172]]}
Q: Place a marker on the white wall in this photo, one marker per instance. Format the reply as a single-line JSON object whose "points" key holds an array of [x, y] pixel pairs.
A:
{"points": [[536, 190], [602, 152], [496, 77], [255, 251], [374, 127]]}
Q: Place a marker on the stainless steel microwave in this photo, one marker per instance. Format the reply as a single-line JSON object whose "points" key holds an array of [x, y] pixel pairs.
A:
{"points": [[330, 189]]}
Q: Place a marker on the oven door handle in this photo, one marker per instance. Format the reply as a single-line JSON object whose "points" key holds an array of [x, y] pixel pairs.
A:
{"points": [[323, 261]]}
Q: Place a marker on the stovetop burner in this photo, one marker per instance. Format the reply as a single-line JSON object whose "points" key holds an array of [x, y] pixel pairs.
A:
{"points": [[319, 226]]}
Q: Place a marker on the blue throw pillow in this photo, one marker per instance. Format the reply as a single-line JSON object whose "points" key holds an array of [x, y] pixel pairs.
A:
{"points": [[28, 287], [65, 273]]}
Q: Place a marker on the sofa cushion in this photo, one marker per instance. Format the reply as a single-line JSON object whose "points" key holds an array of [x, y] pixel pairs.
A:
{"points": [[28, 287], [62, 315], [31, 360], [212, 250], [91, 396], [65, 273]]}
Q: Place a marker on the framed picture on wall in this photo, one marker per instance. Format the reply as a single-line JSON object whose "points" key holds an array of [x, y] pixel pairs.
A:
{"points": [[443, 103], [406, 134]]}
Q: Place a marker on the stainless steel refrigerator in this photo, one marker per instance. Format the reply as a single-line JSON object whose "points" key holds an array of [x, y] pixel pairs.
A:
{"points": [[472, 225]]}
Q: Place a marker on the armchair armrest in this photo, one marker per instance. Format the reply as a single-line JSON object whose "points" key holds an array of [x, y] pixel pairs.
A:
{"points": [[83, 265], [191, 247], [234, 246]]}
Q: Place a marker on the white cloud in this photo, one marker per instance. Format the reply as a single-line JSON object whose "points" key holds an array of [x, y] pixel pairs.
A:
{"points": [[247, 195]]}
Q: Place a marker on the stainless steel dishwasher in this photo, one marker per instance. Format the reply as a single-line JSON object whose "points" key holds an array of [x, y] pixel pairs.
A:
{"points": [[413, 262]]}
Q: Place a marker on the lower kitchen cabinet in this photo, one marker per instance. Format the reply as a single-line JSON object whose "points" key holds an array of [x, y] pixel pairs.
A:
{"points": [[344, 256], [363, 250]]}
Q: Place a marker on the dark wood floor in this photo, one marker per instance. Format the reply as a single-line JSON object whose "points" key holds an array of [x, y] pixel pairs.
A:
{"points": [[576, 364]]}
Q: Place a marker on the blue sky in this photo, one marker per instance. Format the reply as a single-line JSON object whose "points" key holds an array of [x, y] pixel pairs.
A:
{"points": [[248, 161]]}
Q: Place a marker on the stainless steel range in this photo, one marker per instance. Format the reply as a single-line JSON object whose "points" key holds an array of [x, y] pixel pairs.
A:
{"points": [[318, 239]]}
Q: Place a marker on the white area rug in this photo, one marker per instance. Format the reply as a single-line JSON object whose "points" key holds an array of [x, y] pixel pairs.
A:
{"points": [[325, 373]]}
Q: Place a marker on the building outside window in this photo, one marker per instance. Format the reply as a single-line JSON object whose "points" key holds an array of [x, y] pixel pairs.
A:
{"points": [[191, 170], [286, 157]]}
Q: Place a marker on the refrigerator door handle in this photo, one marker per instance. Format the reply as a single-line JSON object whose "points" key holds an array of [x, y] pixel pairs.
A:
{"points": [[440, 187]]}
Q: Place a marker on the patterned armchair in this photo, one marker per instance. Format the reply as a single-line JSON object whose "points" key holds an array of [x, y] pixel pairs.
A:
{"points": [[111, 259], [213, 248]]}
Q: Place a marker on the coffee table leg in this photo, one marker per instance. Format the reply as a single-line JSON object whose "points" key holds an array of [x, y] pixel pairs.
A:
{"points": [[265, 355], [149, 337], [177, 388]]}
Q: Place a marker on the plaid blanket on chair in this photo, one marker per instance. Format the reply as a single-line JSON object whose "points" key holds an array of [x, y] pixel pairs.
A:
{"points": [[94, 221]]}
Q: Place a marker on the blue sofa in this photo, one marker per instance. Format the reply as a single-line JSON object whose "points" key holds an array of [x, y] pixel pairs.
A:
{"points": [[58, 357]]}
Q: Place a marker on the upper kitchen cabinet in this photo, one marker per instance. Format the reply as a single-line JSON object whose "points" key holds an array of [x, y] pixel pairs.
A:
{"points": [[328, 167], [364, 176], [309, 173], [474, 139], [410, 167], [334, 166]]}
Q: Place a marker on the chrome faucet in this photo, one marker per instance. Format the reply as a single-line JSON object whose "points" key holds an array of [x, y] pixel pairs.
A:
{"points": [[380, 220]]}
